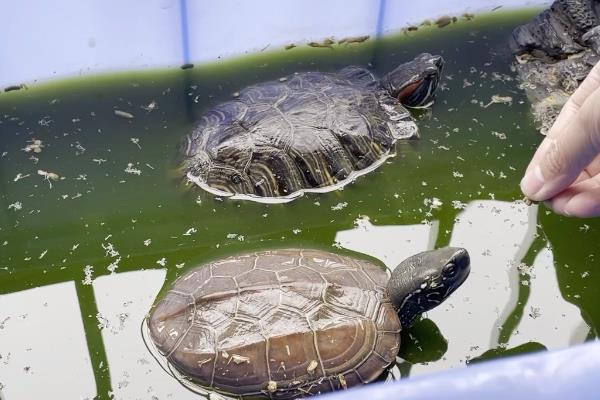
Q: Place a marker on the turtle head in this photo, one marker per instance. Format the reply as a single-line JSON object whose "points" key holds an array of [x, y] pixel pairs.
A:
{"points": [[425, 280], [414, 83]]}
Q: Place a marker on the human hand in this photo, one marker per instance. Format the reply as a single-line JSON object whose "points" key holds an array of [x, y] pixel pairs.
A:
{"points": [[565, 170]]}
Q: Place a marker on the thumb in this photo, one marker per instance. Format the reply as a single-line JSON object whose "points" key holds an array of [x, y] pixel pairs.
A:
{"points": [[562, 155]]}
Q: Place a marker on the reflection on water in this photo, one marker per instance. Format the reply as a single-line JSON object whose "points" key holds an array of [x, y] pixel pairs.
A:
{"points": [[497, 235], [118, 205], [123, 301], [42, 342], [547, 317], [390, 243]]}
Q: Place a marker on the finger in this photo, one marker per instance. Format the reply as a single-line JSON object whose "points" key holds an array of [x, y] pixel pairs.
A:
{"points": [[560, 158], [589, 85], [579, 200]]}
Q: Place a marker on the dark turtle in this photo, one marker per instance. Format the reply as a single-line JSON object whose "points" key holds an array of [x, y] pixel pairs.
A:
{"points": [[310, 131], [555, 52], [289, 323]]}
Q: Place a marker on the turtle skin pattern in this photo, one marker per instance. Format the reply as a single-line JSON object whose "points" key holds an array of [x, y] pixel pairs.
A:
{"points": [[309, 131], [279, 324]]}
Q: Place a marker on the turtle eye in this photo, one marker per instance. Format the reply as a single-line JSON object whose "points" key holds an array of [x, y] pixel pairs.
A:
{"points": [[449, 270]]}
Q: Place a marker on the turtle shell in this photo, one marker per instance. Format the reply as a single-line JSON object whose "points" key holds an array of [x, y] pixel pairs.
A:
{"points": [[279, 324], [307, 132]]}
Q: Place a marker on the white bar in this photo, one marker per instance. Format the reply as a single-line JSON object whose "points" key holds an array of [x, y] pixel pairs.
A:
{"points": [[389, 243], [43, 346], [48, 39], [123, 301], [497, 235], [548, 318]]}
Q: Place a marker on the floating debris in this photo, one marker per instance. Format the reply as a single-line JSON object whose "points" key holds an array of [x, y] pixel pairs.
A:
{"points": [[499, 135], [46, 121], [136, 141], [343, 382], [13, 88], [112, 267], [162, 262], [458, 205], [444, 20], [271, 386], [289, 46], [15, 206], [497, 99], [354, 39], [79, 149], [237, 359], [20, 176], [312, 366], [325, 43], [433, 203], [187, 66], [190, 231], [339, 206], [123, 114], [48, 176], [34, 145], [153, 105], [534, 312], [131, 170], [468, 16], [110, 249]]}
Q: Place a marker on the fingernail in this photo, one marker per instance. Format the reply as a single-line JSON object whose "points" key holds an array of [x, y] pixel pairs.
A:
{"points": [[532, 182]]}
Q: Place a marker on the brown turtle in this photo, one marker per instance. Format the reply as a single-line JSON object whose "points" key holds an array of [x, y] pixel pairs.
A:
{"points": [[289, 323]]}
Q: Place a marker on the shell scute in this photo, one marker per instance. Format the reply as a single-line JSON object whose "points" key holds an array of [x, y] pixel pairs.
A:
{"points": [[290, 320]]}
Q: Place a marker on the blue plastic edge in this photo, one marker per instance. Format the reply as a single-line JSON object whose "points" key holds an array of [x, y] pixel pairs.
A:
{"points": [[571, 373]]}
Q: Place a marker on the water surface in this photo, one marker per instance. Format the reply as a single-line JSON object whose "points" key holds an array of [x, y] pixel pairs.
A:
{"points": [[99, 242]]}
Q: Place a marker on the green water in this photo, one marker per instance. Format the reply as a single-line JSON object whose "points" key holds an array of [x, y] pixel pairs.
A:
{"points": [[466, 152]]}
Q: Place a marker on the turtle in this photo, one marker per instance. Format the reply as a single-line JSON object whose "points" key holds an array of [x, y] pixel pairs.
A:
{"points": [[309, 131], [554, 52], [288, 323]]}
